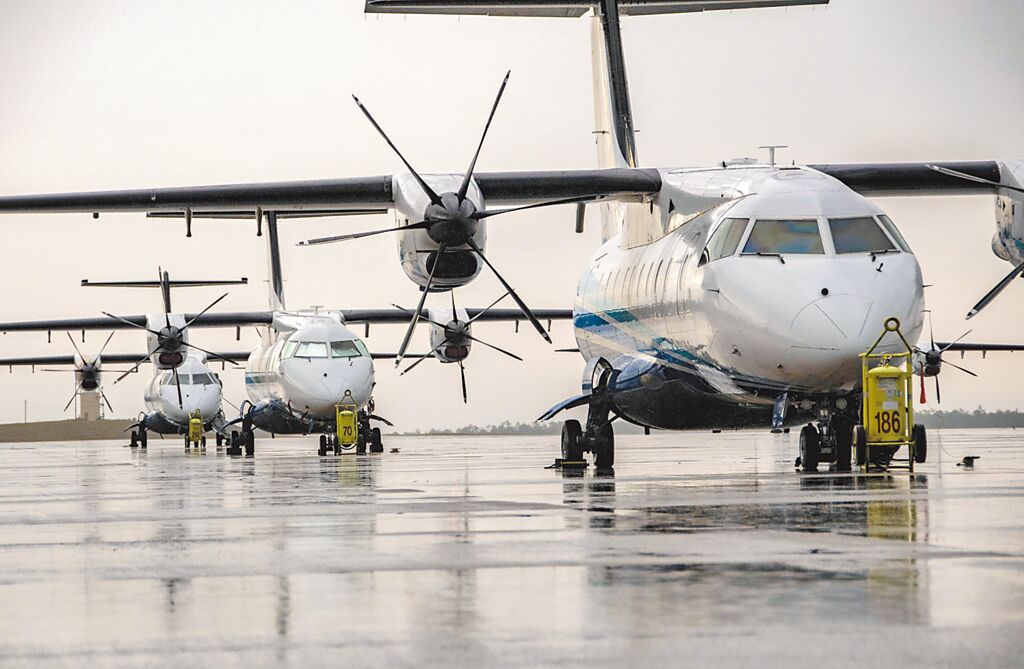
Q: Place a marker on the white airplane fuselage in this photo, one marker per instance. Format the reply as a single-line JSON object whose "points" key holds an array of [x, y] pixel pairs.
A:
{"points": [[740, 329], [200, 391], [305, 367]]}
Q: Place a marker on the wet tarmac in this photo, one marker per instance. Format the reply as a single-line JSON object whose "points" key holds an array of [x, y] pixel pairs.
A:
{"points": [[702, 549]]}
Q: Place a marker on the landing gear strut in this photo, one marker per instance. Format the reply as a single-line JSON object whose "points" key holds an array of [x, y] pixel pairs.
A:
{"points": [[597, 437]]}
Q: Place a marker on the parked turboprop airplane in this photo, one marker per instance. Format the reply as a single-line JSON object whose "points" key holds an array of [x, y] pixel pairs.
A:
{"points": [[719, 293], [307, 363]]}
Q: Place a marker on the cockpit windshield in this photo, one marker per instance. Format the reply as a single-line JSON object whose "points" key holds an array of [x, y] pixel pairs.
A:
{"points": [[348, 349], [858, 235], [311, 349], [784, 236]]}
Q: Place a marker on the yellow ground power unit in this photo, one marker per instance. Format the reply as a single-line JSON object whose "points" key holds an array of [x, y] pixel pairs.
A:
{"points": [[347, 420], [195, 434], [887, 415]]}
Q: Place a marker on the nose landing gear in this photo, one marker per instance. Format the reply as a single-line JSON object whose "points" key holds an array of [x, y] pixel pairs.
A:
{"points": [[830, 441], [598, 437]]}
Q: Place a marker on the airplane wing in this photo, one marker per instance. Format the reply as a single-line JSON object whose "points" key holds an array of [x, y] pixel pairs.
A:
{"points": [[568, 8], [227, 319], [374, 316], [108, 359], [335, 196], [938, 178], [964, 347]]}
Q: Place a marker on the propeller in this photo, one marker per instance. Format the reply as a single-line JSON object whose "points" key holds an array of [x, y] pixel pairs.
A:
{"points": [[451, 219], [170, 338], [456, 333], [89, 372], [933, 361]]}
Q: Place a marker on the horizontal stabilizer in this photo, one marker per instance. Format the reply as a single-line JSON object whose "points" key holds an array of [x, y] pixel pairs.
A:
{"points": [[173, 283], [569, 8]]}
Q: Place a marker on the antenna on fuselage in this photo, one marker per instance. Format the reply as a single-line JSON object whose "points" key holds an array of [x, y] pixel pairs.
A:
{"points": [[771, 151]]}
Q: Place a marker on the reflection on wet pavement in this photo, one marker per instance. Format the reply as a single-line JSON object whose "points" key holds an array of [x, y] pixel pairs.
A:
{"points": [[465, 551]]}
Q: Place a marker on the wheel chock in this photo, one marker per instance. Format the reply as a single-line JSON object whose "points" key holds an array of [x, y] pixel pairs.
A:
{"points": [[559, 463]]}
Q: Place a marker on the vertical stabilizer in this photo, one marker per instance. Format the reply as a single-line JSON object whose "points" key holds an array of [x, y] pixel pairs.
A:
{"points": [[276, 280], [613, 115]]}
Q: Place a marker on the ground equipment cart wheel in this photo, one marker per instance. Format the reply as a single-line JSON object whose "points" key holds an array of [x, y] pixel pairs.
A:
{"points": [[920, 443], [323, 445], [860, 445], [843, 443]]}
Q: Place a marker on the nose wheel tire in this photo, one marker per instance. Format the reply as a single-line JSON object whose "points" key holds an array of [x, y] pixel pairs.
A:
{"points": [[235, 447], [810, 448], [250, 442], [134, 443], [572, 441]]}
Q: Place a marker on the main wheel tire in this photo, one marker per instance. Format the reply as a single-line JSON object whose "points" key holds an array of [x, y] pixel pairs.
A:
{"points": [[134, 443], [860, 445], [604, 448], [250, 443], [844, 443], [572, 441], [376, 443], [920, 443], [810, 448]]}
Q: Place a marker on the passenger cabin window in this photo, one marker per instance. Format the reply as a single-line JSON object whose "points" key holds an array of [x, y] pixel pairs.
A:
{"points": [[311, 349], [348, 349], [858, 235], [890, 227], [724, 240], [784, 236]]}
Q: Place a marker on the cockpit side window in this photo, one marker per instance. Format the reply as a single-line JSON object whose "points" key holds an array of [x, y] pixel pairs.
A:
{"points": [[785, 236], [311, 349], [858, 235], [890, 227], [289, 349], [347, 349], [724, 240]]}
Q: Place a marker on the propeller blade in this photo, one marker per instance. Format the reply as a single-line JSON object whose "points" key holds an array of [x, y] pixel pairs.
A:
{"points": [[63, 371], [551, 203], [499, 350], [429, 354], [422, 317], [522, 305], [128, 322], [462, 372], [955, 341], [962, 369], [994, 293], [464, 187], [72, 340], [197, 316], [931, 329], [177, 384], [135, 367], [419, 307], [104, 347], [73, 396], [104, 396], [488, 308], [938, 392], [211, 354], [970, 177], [422, 225], [434, 198], [454, 315]]}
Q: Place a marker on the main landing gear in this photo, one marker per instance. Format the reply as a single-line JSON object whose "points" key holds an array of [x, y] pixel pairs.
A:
{"points": [[139, 438], [597, 437]]}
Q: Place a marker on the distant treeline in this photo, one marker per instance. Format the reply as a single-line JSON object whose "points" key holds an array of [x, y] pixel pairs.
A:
{"points": [[955, 418], [977, 418]]}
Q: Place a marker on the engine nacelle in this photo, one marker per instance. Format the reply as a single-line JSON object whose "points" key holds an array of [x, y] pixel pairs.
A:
{"points": [[169, 346], [450, 343], [417, 251]]}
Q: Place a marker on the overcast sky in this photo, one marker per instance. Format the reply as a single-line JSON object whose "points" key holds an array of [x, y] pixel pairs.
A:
{"points": [[105, 95]]}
